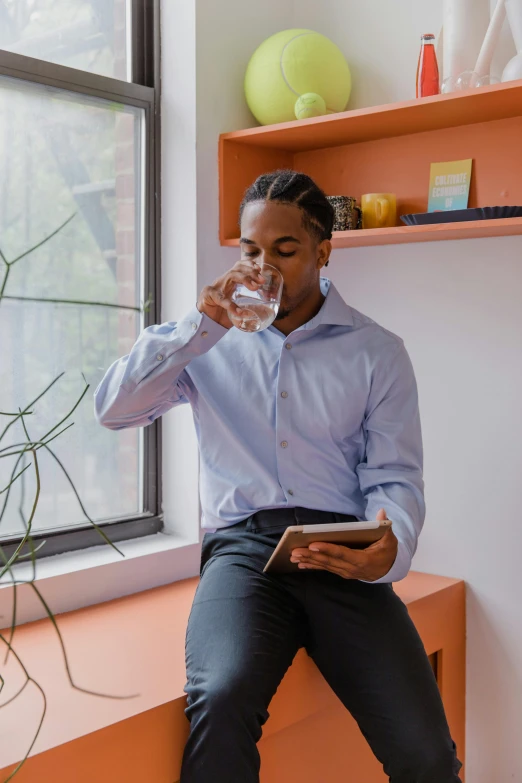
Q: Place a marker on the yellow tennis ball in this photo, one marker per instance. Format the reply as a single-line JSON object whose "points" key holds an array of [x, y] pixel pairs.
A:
{"points": [[309, 105], [291, 64]]}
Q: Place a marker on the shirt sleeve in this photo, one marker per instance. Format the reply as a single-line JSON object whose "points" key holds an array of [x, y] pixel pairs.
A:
{"points": [[390, 476], [151, 379]]}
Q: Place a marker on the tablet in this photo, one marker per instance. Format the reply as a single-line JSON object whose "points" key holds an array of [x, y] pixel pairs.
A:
{"points": [[356, 535]]}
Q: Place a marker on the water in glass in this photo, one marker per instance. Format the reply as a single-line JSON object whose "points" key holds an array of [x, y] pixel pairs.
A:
{"points": [[256, 315]]}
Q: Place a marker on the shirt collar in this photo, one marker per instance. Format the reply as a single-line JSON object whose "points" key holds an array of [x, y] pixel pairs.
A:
{"points": [[334, 309]]}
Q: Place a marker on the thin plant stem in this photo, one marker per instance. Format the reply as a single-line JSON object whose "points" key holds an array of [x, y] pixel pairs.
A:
{"points": [[4, 281], [15, 586], [21, 582], [82, 395], [15, 554], [43, 241], [64, 653], [13, 616], [38, 444], [17, 694], [20, 414], [26, 446], [9, 486], [29, 679], [15, 419], [93, 523], [71, 301], [35, 549], [14, 479]]}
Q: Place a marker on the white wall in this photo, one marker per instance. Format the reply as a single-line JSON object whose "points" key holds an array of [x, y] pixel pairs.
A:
{"points": [[227, 35], [456, 304], [179, 232]]}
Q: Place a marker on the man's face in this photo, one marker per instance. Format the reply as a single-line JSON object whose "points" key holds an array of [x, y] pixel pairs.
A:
{"points": [[273, 233]]}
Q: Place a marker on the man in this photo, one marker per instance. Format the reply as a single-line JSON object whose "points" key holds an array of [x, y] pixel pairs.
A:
{"points": [[314, 419]]}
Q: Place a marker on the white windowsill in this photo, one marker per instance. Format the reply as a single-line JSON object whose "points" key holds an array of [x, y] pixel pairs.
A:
{"points": [[77, 579]]}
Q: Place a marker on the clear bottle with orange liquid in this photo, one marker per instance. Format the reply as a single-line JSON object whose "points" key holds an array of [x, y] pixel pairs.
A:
{"points": [[427, 68]]}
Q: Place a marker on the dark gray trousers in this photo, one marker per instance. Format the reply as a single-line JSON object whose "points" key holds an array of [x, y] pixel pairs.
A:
{"points": [[245, 628]]}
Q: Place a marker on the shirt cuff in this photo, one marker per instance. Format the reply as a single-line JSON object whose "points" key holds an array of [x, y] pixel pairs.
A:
{"points": [[399, 569], [206, 327]]}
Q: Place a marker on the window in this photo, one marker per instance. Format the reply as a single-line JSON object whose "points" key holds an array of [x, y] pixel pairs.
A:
{"points": [[79, 190], [91, 35]]}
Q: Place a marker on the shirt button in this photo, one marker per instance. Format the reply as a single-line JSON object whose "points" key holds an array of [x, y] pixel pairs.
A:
{"points": [[194, 326], [204, 334], [284, 444], [288, 346], [290, 491], [284, 394], [159, 357]]}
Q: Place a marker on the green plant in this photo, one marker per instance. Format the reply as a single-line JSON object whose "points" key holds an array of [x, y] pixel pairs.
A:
{"points": [[25, 456]]}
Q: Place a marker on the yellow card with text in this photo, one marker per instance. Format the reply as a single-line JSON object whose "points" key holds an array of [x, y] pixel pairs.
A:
{"points": [[449, 185]]}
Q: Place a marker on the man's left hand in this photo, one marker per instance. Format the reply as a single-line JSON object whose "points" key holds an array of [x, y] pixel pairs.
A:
{"points": [[369, 564]]}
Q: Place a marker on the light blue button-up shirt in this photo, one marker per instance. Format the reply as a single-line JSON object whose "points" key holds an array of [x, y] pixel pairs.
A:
{"points": [[326, 418]]}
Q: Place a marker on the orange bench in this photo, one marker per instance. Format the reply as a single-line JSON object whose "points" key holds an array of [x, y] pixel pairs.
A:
{"points": [[135, 645]]}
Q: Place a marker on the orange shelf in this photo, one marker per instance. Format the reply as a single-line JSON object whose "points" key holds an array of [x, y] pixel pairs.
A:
{"points": [[389, 149], [496, 102], [404, 234]]}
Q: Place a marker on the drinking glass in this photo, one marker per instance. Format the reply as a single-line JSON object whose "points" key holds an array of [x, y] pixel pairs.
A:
{"points": [[259, 307]]}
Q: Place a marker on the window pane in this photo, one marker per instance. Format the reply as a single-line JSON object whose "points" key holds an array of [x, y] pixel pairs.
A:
{"points": [[86, 34], [62, 155]]}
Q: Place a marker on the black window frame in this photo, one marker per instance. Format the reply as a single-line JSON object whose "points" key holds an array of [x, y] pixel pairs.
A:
{"points": [[144, 91]]}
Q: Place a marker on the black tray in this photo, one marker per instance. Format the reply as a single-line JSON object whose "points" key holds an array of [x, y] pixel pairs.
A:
{"points": [[461, 215]]}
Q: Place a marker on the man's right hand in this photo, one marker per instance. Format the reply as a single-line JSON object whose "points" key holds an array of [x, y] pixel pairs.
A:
{"points": [[215, 300]]}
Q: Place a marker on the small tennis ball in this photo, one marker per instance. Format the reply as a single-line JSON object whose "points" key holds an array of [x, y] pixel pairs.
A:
{"points": [[309, 105]]}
